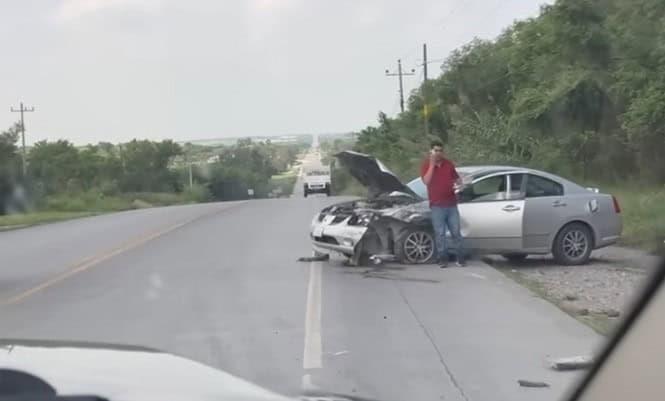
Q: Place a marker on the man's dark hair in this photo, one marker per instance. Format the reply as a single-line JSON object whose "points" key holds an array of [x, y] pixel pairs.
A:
{"points": [[435, 143]]}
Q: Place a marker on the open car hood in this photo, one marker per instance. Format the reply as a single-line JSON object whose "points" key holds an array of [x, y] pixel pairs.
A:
{"points": [[373, 174]]}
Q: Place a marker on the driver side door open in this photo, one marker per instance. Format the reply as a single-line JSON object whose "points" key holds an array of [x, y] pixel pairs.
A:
{"points": [[492, 213]]}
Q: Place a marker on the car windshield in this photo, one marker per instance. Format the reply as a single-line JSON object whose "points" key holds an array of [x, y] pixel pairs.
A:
{"points": [[238, 183]]}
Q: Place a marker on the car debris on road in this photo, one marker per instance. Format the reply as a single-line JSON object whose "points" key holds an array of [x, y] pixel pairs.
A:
{"points": [[315, 258], [529, 383], [572, 363]]}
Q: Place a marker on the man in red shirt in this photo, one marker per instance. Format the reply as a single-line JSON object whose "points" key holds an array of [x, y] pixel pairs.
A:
{"points": [[440, 177]]}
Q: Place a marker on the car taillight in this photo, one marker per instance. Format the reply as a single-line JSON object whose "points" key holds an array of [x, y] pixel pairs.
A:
{"points": [[617, 208]]}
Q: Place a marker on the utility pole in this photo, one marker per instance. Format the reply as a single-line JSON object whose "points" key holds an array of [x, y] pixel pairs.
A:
{"points": [[401, 85], [425, 110], [425, 62], [188, 147], [22, 109], [191, 178]]}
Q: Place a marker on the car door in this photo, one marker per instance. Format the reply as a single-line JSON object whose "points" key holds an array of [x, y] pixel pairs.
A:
{"points": [[545, 208], [491, 211]]}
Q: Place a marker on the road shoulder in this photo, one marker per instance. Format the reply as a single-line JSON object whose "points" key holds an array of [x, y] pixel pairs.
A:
{"points": [[483, 331]]}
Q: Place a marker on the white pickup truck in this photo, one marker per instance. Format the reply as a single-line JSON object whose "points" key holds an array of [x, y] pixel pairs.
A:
{"points": [[317, 181]]}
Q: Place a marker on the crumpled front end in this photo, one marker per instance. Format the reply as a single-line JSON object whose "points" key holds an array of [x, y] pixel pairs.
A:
{"points": [[363, 230], [337, 229]]}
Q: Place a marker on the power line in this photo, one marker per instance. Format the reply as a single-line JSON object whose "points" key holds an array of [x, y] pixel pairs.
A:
{"points": [[439, 22], [22, 109], [400, 74], [489, 11], [451, 13]]}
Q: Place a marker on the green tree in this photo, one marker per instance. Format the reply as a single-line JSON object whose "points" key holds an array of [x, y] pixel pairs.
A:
{"points": [[577, 90], [55, 166], [9, 164]]}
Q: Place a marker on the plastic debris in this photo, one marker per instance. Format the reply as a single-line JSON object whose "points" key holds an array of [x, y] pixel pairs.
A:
{"points": [[318, 258]]}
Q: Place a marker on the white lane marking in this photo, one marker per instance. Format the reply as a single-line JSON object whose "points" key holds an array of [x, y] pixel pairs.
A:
{"points": [[313, 348], [476, 275]]}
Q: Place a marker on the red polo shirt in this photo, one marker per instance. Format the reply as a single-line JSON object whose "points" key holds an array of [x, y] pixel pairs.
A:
{"points": [[441, 189]]}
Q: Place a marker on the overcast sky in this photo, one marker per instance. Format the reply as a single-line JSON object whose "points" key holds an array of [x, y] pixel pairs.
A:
{"points": [[118, 69]]}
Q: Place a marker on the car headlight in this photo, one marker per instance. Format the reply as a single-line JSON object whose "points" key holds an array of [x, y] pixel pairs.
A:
{"points": [[362, 219], [365, 219]]}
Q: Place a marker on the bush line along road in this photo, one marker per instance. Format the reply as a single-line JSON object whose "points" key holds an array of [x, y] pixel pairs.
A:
{"points": [[219, 282]]}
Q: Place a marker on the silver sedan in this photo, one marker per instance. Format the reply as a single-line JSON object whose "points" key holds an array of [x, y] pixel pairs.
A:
{"points": [[516, 212], [511, 211]]}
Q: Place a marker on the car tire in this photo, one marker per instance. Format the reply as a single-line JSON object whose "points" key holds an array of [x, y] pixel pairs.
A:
{"points": [[573, 245], [415, 246], [515, 257]]}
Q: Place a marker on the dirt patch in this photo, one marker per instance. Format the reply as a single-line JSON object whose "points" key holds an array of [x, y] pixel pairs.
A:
{"points": [[597, 294]]}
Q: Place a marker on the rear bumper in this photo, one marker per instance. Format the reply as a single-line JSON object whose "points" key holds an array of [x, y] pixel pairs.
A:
{"points": [[317, 187], [607, 241], [316, 190]]}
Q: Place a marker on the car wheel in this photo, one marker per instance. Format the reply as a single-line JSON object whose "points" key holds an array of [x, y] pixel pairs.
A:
{"points": [[415, 246], [515, 257], [573, 245]]}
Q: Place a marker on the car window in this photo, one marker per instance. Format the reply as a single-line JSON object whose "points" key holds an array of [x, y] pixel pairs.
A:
{"points": [[418, 187], [537, 186], [488, 189]]}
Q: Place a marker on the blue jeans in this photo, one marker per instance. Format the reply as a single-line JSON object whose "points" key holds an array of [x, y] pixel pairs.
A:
{"points": [[443, 217]]}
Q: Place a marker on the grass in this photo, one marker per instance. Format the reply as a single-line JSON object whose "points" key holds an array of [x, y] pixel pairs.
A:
{"points": [[643, 211], [31, 219], [74, 205], [283, 183], [600, 323], [93, 201]]}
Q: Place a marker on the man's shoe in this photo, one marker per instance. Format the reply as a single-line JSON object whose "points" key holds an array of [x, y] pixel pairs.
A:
{"points": [[442, 263], [460, 264]]}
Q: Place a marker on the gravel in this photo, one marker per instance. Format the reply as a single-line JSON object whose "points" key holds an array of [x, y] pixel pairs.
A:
{"points": [[604, 288]]}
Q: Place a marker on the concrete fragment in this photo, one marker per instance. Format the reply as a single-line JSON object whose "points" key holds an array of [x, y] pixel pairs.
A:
{"points": [[571, 363]]}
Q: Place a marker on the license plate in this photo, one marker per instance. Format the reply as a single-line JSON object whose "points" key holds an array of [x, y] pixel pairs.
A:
{"points": [[318, 231]]}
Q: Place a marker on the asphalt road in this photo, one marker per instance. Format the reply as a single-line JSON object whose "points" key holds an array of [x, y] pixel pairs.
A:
{"points": [[219, 283]]}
